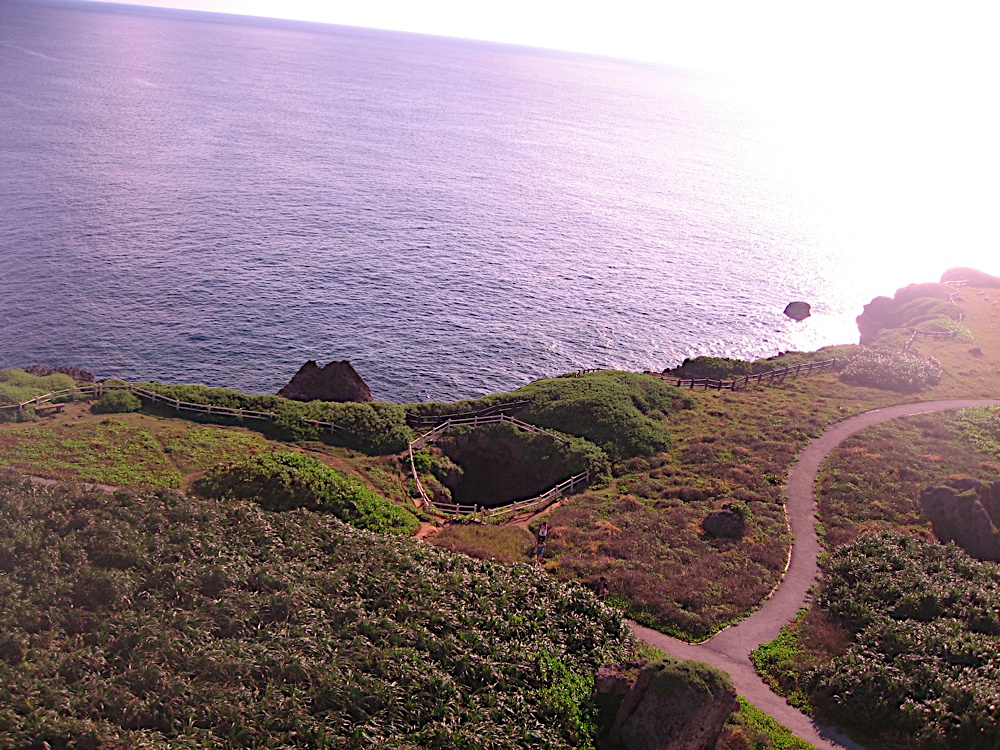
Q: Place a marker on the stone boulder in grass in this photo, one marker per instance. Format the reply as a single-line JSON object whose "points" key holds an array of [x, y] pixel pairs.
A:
{"points": [[664, 705], [338, 381], [967, 512]]}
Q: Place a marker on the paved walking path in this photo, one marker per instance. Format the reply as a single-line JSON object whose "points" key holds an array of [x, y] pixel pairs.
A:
{"points": [[730, 649]]}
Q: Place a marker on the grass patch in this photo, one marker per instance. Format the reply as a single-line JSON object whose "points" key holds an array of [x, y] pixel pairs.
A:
{"points": [[108, 451], [752, 729], [507, 544]]}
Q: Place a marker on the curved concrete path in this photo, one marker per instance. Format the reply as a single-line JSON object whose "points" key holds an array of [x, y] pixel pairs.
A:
{"points": [[730, 649]]}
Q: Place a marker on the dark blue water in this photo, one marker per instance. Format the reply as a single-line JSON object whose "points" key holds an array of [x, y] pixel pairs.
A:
{"points": [[191, 198]]}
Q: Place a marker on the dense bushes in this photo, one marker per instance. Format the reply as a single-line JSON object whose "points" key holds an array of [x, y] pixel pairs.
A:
{"points": [[925, 661], [893, 371], [162, 621], [375, 428], [116, 402], [286, 480], [619, 411]]}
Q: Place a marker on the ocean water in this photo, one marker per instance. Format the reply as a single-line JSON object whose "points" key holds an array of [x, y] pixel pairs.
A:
{"points": [[196, 198]]}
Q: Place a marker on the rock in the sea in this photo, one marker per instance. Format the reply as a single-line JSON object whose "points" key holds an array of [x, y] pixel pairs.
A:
{"points": [[724, 524], [338, 381], [798, 310], [669, 705], [966, 512]]}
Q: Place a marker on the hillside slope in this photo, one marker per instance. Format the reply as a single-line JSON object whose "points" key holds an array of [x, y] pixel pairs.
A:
{"points": [[156, 620]]}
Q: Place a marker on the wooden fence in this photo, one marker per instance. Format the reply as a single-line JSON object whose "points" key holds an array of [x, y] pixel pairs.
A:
{"points": [[478, 511], [96, 390], [939, 335], [418, 421], [739, 384]]}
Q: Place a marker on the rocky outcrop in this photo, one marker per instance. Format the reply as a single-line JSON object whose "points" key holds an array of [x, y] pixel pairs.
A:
{"points": [[798, 310], [966, 512], [338, 381], [725, 523], [924, 306], [665, 705]]}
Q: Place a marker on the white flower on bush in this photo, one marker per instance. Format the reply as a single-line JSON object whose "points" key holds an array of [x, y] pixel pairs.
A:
{"points": [[894, 371]]}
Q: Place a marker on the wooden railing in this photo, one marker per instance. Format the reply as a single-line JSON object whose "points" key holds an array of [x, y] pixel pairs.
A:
{"points": [[96, 390], [479, 511], [940, 335], [739, 384], [432, 420], [429, 436]]}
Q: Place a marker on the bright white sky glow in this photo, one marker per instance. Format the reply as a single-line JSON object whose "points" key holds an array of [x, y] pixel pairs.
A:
{"points": [[889, 105]]}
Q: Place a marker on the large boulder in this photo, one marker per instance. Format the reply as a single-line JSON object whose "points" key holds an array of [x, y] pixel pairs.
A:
{"points": [[798, 310], [667, 705], [338, 381], [966, 512]]}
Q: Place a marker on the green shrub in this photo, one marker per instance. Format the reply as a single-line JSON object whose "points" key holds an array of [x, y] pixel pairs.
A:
{"points": [[18, 386], [376, 428], [116, 402], [619, 411], [285, 480], [893, 371], [925, 662]]}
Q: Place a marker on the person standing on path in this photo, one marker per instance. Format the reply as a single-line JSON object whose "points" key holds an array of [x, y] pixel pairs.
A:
{"points": [[543, 533]]}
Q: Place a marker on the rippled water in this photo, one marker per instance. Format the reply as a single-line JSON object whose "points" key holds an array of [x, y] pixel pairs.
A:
{"points": [[199, 199]]}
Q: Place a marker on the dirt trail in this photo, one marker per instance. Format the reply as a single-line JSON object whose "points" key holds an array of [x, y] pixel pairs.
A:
{"points": [[730, 649]]}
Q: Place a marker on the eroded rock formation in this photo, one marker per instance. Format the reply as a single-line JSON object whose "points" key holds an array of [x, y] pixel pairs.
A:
{"points": [[338, 381], [966, 512]]}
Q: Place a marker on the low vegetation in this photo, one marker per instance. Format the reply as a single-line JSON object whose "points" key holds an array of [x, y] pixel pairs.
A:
{"points": [[919, 604], [622, 412], [892, 371], [116, 402], [18, 386], [157, 620], [286, 480], [923, 660]]}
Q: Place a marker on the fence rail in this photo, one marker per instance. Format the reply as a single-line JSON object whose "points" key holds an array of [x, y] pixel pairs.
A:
{"points": [[431, 435], [96, 390], [739, 384], [479, 511], [432, 420], [939, 335]]}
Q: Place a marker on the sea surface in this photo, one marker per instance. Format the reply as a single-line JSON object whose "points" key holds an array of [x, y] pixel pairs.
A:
{"points": [[200, 198]]}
